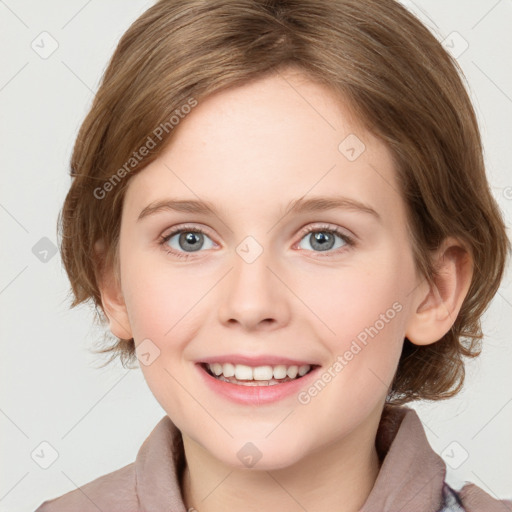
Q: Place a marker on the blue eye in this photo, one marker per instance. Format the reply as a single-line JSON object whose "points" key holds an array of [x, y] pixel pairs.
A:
{"points": [[191, 239], [323, 239]]}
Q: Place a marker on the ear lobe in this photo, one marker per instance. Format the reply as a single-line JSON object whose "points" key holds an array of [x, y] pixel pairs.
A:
{"points": [[112, 298], [439, 303]]}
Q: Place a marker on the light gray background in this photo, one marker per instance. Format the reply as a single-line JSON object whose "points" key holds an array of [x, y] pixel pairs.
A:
{"points": [[95, 419]]}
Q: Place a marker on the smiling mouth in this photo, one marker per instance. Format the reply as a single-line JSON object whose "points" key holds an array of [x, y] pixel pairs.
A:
{"points": [[267, 375]]}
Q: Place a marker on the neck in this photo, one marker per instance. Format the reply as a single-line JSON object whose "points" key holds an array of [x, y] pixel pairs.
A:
{"points": [[338, 477]]}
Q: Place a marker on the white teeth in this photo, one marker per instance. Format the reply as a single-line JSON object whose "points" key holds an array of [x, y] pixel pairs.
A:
{"points": [[216, 368], [262, 373], [292, 371], [258, 373], [228, 370], [304, 369], [242, 372], [279, 372]]}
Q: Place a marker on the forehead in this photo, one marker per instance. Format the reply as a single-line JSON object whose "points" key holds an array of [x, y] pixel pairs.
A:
{"points": [[258, 147]]}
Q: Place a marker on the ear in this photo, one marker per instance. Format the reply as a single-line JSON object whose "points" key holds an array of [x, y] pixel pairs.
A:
{"points": [[112, 299], [436, 306]]}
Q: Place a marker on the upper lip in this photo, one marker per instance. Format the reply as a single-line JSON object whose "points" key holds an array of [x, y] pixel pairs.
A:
{"points": [[262, 360]]}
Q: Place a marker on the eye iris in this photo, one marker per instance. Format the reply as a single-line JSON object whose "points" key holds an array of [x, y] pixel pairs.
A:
{"points": [[324, 240], [191, 240]]}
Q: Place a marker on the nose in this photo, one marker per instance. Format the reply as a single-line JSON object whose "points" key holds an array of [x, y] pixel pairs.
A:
{"points": [[252, 295]]}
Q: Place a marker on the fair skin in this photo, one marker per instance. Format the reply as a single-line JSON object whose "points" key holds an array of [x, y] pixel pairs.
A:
{"points": [[250, 151]]}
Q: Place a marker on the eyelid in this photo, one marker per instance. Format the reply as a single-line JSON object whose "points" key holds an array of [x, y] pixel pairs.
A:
{"points": [[327, 227], [349, 239], [347, 236], [187, 227]]}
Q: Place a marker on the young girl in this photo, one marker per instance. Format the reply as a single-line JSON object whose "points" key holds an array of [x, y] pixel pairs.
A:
{"points": [[281, 209]]}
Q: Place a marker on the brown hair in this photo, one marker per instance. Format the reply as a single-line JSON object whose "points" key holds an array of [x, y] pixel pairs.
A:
{"points": [[396, 77]]}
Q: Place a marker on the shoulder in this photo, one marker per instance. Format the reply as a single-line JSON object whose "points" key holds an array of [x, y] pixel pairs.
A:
{"points": [[475, 499], [115, 492]]}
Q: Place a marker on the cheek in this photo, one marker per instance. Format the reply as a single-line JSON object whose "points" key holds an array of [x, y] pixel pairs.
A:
{"points": [[161, 307], [159, 302], [353, 299], [363, 312]]}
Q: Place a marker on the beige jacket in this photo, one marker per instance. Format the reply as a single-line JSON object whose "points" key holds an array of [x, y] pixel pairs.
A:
{"points": [[411, 477]]}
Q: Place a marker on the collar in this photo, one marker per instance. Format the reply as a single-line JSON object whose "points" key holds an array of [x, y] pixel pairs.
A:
{"points": [[411, 475], [156, 470], [410, 479]]}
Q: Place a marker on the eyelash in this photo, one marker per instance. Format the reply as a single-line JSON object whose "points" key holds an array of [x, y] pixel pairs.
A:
{"points": [[349, 241]]}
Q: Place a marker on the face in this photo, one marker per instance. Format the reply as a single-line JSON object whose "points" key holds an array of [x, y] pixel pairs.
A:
{"points": [[327, 287]]}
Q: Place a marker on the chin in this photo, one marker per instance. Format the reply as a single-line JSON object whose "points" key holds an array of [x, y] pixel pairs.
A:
{"points": [[260, 455]]}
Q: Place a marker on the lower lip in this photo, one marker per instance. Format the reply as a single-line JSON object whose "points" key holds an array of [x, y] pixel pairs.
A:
{"points": [[256, 395]]}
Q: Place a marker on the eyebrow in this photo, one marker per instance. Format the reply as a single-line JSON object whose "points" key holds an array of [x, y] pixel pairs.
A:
{"points": [[301, 205]]}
